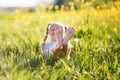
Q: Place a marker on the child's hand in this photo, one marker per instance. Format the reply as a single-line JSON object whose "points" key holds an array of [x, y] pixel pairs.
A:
{"points": [[73, 29]]}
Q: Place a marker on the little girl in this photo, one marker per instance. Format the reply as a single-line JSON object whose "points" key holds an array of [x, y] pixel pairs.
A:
{"points": [[59, 46]]}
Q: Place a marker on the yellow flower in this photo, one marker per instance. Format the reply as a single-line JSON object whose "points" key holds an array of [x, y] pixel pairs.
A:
{"points": [[108, 36], [115, 29], [104, 25], [56, 7], [62, 7], [117, 3], [72, 7], [88, 4], [98, 7], [76, 0], [116, 18], [71, 3], [50, 7]]}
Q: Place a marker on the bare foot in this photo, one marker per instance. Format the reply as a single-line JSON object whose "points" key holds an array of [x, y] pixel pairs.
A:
{"points": [[69, 35], [59, 36]]}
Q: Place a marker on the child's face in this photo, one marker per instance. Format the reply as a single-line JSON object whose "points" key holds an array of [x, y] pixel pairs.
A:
{"points": [[52, 31]]}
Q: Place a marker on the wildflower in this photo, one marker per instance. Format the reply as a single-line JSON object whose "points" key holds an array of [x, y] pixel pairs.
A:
{"points": [[76, 0], [76, 39], [72, 7], [71, 3], [104, 25], [103, 49], [50, 7], [98, 7], [118, 69], [62, 7], [115, 29], [113, 8], [56, 7], [116, 18], [85, 72], [108, 36], [8, 43], [88, 4], [104, 5]]}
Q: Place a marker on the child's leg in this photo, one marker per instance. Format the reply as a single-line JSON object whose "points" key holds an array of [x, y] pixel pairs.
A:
{"points": [[58, 45], [59, 35], [69, 35]]}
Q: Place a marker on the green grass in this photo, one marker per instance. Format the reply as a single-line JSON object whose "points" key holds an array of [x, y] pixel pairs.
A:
{"points": [[96, 56]]}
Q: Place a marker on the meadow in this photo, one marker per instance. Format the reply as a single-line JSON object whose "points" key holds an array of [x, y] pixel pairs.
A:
{"points": [[95, 55]]}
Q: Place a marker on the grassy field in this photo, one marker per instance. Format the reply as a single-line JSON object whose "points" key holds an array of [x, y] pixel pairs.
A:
{"points": [[95, 55]]}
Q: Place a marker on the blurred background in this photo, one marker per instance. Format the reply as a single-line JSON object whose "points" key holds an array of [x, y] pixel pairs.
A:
{"points": [[96, 51], [10, 5]]}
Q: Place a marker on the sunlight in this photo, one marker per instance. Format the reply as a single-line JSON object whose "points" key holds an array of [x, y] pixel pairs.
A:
{"points": [[24, 3]]}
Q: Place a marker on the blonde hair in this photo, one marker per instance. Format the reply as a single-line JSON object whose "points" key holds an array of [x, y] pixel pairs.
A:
{"points": [[49, 25]]}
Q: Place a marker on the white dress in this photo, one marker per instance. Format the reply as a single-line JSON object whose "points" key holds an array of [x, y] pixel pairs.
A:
{"points": [[48, 47]]}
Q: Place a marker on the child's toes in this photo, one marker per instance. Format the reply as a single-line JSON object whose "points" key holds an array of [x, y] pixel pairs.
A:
{"points": [[73, 29]]}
